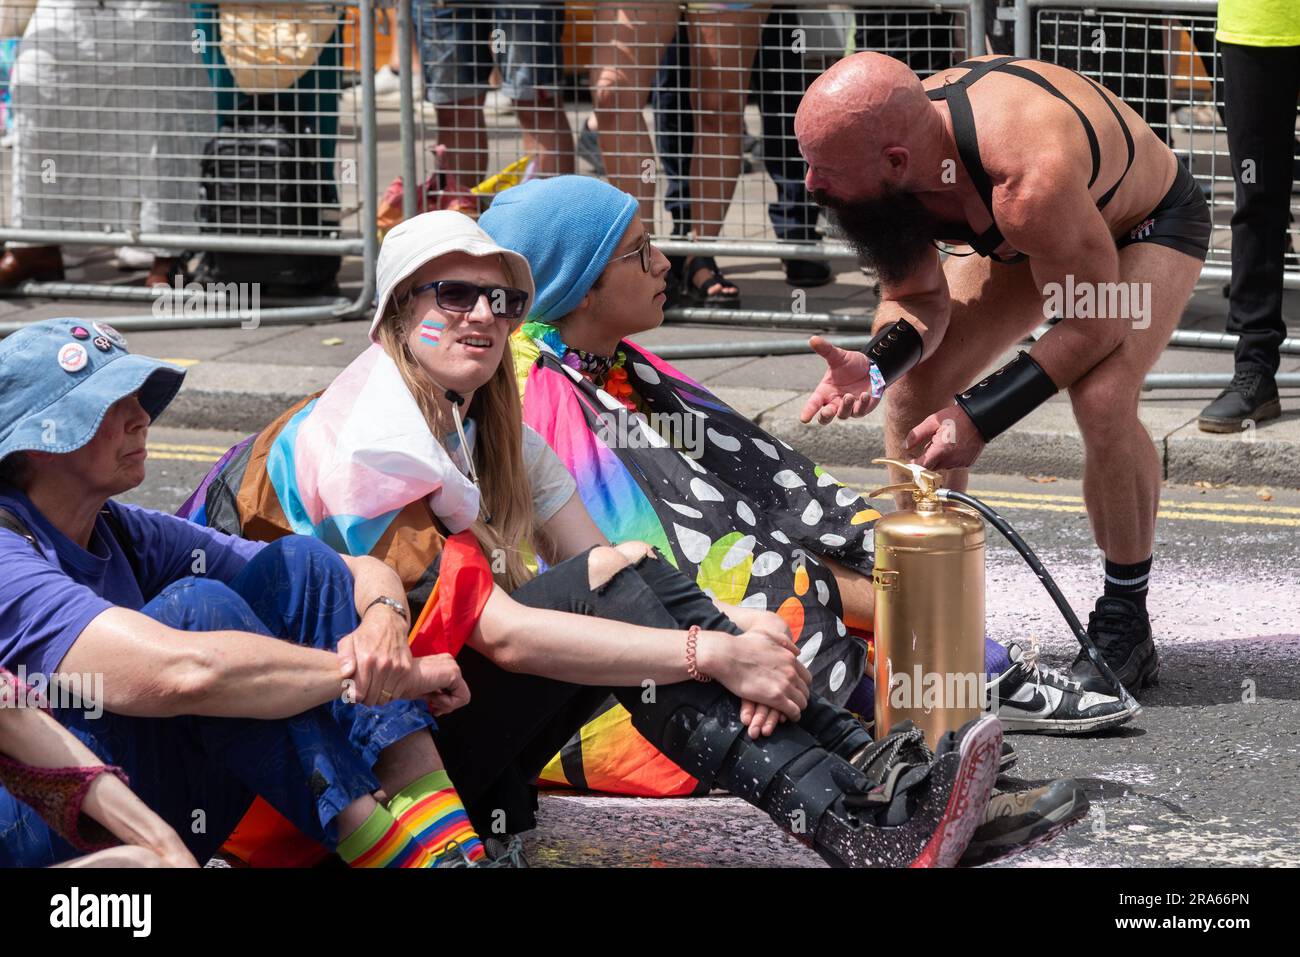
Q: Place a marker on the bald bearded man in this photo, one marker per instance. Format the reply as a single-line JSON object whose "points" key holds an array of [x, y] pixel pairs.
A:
{"points": [[1073, 209]]}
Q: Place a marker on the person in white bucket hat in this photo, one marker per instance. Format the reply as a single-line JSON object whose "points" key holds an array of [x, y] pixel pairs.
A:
{"points": [[375, 466], [417, 241]]}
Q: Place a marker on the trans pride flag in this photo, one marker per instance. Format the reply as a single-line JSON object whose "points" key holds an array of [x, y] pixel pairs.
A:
{"points": [[347, 463]]}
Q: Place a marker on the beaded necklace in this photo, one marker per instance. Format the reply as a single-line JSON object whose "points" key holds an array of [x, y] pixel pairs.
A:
{"points": [[604, 372]]}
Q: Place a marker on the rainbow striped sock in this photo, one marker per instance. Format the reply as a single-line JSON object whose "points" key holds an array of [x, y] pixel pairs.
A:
{"points": [[382, 842], [431, 810]]}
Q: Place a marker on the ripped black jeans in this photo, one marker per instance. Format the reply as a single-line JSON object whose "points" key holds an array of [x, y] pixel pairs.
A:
{"points": [[496, 745]]}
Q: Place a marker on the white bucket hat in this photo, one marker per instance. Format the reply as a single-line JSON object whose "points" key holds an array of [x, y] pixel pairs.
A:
{"points": [[423, 238]]}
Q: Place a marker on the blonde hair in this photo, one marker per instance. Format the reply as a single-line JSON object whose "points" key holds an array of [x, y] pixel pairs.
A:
{"points": [[498, 445]]}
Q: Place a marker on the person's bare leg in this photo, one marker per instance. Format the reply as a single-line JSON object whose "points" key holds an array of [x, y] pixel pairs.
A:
{"points": [[463, 130], [405, 761], [548, 138], [629, 42], [857, 595], [354, 815], [994, 305], [1121, 472], [722, 54]]}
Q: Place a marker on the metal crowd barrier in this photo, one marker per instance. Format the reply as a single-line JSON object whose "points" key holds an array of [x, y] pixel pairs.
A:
{"points": [[1159, 55], [171, 127], [671, 86], [677, 101]]}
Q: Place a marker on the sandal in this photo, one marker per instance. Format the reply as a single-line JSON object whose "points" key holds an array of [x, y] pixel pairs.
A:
{"points": [[726, 298]]}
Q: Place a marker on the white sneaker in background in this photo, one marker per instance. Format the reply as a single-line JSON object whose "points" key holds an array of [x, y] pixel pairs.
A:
{"points": [[133, 257], [387, 81]]}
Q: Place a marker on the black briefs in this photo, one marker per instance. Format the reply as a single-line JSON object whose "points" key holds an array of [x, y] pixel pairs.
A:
{"points": [[1180, 221]]}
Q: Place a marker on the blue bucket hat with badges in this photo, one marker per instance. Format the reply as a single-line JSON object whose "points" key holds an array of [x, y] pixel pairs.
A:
{"points": [[59, 377]]}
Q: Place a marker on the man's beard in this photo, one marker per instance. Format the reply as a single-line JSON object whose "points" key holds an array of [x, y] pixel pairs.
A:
{"points": [[892, 234]]}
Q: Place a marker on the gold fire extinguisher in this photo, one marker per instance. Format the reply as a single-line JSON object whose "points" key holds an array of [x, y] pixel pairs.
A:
{"points": [[929, 619]]}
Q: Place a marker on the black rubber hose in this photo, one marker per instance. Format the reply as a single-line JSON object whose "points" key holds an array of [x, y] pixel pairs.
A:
{"points": [[1071, 619]]}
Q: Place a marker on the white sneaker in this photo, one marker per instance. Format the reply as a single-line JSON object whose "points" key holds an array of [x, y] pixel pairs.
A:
{"points": [[1030, 697], [133, 257], [387, 81]]}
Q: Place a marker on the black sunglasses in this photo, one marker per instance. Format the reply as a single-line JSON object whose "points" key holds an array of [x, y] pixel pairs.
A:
{"points": [[457, 295]]}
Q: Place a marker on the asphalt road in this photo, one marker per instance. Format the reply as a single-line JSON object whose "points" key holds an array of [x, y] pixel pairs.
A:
{"points": [[1206, 775]]}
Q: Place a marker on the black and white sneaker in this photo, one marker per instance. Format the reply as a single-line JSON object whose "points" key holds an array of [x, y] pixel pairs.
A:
{"points": [[1029, 697]]}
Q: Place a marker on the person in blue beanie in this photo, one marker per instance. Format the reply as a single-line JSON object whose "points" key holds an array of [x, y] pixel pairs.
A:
{"points": [[208, 668]]}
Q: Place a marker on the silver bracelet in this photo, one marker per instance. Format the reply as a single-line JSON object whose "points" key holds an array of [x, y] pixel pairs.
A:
{"points": [[392, 603]]}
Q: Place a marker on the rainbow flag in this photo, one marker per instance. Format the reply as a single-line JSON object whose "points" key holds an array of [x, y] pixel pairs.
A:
{"points": [[739, 511]]}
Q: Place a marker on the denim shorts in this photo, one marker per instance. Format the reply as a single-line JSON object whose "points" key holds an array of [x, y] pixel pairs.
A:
{"points": [[461, 43]]}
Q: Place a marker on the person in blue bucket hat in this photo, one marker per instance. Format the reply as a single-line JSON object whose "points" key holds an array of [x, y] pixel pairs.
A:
{"points": [[208, 669]]}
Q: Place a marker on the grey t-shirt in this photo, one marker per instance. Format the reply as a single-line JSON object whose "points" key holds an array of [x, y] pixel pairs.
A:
{"points": [[551, 482]]}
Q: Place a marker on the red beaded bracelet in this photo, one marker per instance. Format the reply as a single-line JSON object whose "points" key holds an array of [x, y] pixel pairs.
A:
{"points": [[691, 635]]}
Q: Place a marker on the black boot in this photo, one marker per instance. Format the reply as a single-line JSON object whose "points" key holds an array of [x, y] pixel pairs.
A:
{"points": [[1122, 633], [836, 729], [806, 273], [846, 735], [895, 805], [1251, 396]]}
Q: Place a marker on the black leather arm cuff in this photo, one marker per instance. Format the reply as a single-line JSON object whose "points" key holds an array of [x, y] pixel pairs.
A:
{"points": [[894, 350], [1007, 396]]}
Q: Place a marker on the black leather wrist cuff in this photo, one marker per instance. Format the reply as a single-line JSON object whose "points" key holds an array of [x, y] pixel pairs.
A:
{"points": [[895, 350], [1007, 396]]}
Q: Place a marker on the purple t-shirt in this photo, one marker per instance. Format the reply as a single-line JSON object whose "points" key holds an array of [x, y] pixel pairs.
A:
{"points": [[47, 600]]}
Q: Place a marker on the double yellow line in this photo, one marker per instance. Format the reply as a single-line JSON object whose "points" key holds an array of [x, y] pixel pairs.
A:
{"points": [[1228, 513]]}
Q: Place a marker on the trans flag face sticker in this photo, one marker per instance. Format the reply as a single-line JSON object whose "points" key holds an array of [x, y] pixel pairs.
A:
{"points": [[431, 331]]}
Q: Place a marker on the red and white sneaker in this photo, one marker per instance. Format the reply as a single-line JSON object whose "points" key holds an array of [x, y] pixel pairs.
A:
{"points": [[922, 807]]}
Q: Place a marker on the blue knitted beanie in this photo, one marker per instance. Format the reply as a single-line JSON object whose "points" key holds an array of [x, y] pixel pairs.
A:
{"points": [[567, 227]]}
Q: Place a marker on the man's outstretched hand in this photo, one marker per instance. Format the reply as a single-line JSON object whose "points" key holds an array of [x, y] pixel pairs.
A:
{"points": [[946, 440], [845, 389]]}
